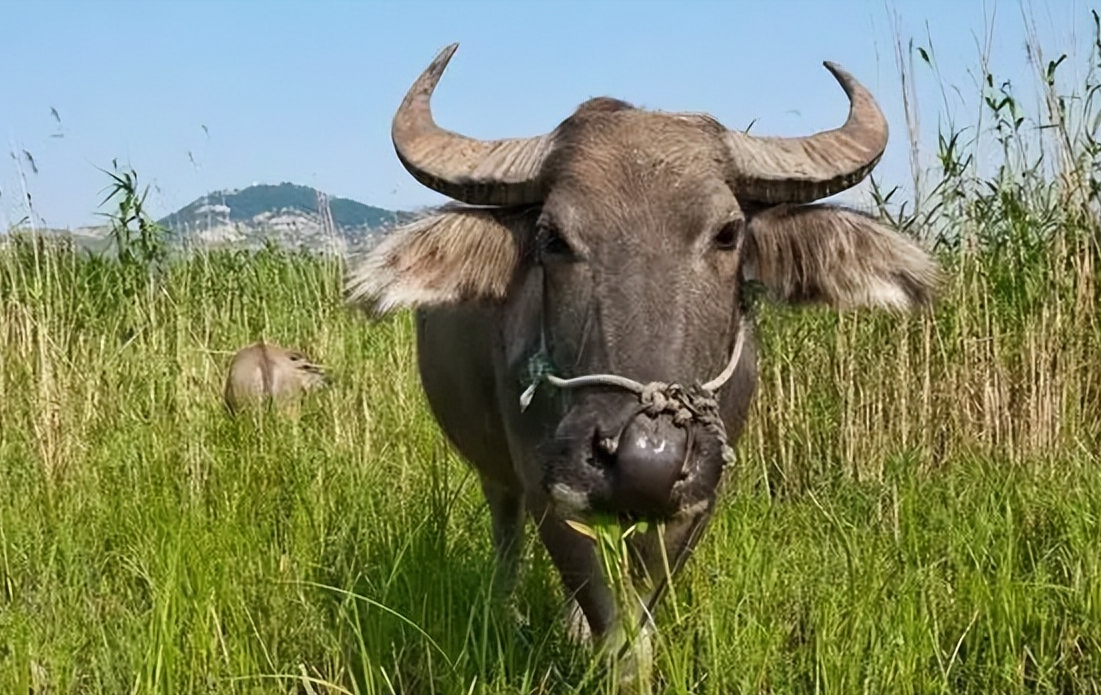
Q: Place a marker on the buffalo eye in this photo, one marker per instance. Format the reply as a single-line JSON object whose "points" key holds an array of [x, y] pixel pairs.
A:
{"points": [[551, 243], [726, 239]]}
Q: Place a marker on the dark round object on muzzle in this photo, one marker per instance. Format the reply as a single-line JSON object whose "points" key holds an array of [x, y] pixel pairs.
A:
{"points": [[649, 459]]}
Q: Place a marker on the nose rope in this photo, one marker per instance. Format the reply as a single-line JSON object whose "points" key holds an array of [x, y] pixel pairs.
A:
{"points": [[697, 403]]}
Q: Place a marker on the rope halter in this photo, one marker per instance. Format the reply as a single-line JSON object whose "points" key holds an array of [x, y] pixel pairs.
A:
{"points": [[697, 403]]}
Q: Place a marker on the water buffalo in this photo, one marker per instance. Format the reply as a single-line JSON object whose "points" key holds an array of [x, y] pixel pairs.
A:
{"points": [[582, 337], [263, 372]]}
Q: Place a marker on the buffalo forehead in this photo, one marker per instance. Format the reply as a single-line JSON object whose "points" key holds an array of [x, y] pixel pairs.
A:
{"points": [[625, 166], [638, 147]]}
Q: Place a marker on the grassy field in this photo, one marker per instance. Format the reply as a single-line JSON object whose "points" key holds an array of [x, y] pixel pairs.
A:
{"points": [[917, 507]]}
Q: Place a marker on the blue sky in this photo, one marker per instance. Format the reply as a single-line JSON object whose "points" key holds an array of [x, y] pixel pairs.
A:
{"points": [[304, 91]]}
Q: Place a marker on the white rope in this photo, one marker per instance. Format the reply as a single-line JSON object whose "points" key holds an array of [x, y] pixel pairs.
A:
{"points": [[627, 384]]}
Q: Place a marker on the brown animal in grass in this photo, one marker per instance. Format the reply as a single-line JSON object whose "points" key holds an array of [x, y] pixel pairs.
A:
{"points": [[266, 373]]}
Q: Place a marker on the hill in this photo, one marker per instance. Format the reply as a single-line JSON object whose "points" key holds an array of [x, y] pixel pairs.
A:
{"points": [[289, 214]]}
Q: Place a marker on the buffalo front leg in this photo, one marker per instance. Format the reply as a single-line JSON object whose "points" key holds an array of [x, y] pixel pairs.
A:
{"points": [[575, 558], [506, 509]]}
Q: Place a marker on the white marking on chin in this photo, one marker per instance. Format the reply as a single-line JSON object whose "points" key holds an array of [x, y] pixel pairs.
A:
{"points": [[569, 502]]}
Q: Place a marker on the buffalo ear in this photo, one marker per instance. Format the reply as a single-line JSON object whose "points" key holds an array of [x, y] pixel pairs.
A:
{"points": [[837, 256], [452, 255]]}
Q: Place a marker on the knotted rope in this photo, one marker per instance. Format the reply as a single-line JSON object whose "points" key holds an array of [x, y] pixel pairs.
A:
{"points": [[697, 403]]}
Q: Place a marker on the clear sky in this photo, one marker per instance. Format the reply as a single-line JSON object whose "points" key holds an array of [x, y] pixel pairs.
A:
{"points": [[199, 95]]}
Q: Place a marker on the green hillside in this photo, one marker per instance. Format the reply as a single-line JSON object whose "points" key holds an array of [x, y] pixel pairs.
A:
{"points": [[246, 204]]}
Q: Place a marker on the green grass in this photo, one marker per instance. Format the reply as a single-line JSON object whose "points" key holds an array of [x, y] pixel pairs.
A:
{"points": [[151, 544], [916, 509]]}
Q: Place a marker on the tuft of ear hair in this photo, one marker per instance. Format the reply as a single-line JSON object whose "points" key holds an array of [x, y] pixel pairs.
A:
{"points": [[454, 254], [837, 256]]}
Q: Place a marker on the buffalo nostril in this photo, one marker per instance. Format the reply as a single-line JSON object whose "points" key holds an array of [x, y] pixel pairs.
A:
{"points": [[604, 448]]}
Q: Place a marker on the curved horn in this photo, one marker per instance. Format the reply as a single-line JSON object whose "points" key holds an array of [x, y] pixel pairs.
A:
{"points": [[803, 169], [478, 172]]}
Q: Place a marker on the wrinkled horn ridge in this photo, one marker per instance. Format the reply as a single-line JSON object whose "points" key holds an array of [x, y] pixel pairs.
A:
{"points": [[477, 172], [775, 170]]}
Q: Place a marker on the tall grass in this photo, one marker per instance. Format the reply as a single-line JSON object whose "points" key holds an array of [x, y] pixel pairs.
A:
{"points": [[917, 506]]}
